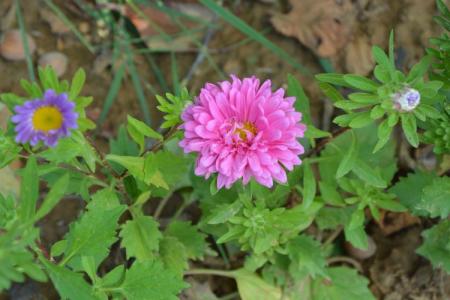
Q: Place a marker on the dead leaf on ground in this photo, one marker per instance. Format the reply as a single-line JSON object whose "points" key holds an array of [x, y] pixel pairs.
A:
{"points": [[324, 26], [391, 222]]}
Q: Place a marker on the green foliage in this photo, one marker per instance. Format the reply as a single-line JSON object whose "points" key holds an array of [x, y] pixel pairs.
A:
{"points": [[374, 100], [189, 236], [425, 194], [95, 231], [140, 238], [307, 258], [173, 106], [150, 280], [344, 283], [436, 246]]}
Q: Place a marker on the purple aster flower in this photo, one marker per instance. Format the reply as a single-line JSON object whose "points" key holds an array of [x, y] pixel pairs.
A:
{"points": [[47, 119], [406, 99]]}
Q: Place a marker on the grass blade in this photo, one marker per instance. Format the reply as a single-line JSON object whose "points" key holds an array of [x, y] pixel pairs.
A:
{"points": [[252, 33], [23, 36], [69, 24], [112, 92]]}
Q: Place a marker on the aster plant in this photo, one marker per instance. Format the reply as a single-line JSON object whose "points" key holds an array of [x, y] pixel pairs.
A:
{"points": [[275, 197]]}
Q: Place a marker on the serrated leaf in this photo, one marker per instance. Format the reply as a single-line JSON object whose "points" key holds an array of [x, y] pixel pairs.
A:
{"points": [[138, 130], [331, 217], [435, 246], [173, 254], [361, 83], [344, 283], [348, 161], [95, 231], [409, 190], [189, 236], [140, 237], [252, 287], [70, 285], [436, 198], [410, 129], [150, 280], [307, 257]]}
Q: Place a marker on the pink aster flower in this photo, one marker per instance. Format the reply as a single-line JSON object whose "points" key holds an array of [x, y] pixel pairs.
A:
{"points": [[241, 129]]}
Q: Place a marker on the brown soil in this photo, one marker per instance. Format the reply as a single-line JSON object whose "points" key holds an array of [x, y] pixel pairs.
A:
{"points": [[395, 271]]}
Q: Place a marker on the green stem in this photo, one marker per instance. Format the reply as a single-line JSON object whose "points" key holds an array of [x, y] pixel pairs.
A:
{"points": [[228, 274], [161, 206]]}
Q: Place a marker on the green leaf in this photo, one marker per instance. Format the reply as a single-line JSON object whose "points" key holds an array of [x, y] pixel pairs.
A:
{"points": [[344, 283], [138, 130], [77, 84], [29, 191], [252, 287], [348, 161], [95, 231], [307, 257], [361, 119], [419, 69], [436, 198], [135, 165], [189, 236], [435, 246], [361, 83], [364, 98], [383, 61], [410, 129], [354, 230], [140, 237], [368, 174], [331, 92], [383, 133], [377, 112], [309, 185], [56, 193], [382, 74], [70, 285], [302, 101], [173, 254], [223, 213], [332, 217], [409, 190], [330, 194], [150, 280], [333, 78]]}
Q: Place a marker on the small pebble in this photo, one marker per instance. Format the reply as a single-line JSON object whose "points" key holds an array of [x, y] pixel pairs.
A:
{"points": [[359, 253], [11, 47], [55, 59]]}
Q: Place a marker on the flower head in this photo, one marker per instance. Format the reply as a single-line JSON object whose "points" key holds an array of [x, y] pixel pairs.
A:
{"points": [[47, 119], [406, 99], [241, 129]]}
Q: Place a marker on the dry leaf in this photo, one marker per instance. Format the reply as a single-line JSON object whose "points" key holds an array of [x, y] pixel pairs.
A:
{"points": [[323, 26], [391, 222]]}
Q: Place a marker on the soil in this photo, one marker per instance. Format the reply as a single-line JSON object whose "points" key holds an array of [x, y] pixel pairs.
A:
{"points": [[395, 270]]}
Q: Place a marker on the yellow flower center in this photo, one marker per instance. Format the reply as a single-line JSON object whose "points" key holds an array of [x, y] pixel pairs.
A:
{"points": [[247, 127], [47, 118]]}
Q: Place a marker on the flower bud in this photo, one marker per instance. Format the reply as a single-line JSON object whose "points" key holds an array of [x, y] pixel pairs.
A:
{"points": [[406, 99]]}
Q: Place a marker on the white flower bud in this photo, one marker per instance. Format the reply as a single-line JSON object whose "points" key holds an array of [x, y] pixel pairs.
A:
{"points": [[406, 99]]}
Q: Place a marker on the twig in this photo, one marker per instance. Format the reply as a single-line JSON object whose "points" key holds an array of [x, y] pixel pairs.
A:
{"points": [[323, 143], [333, 236], [161, 206], [345, 259]]}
